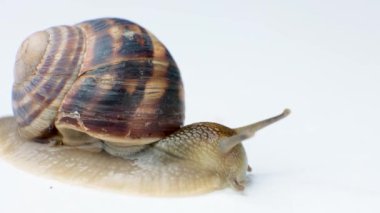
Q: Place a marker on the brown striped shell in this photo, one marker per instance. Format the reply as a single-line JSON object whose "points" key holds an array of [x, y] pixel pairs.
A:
{"points": [[106, 78]]}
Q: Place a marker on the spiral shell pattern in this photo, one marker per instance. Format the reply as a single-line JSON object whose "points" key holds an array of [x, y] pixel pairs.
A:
{"points": [[109, 78]]}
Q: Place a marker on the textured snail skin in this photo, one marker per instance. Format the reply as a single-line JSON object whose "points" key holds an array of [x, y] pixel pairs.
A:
{"points": [[198, 158], [185, 163]]}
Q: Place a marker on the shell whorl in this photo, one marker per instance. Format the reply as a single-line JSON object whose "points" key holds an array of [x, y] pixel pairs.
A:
{"points": [[38, 93], [108, 78]]}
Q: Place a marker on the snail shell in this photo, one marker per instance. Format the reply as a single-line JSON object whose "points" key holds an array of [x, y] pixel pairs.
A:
{"points": [[108, 79]]}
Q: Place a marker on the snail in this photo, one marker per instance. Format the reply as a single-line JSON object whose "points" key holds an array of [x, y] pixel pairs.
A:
{"points": [[101, 104]]}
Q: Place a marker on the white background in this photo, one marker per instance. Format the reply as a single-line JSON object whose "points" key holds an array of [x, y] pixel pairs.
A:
{"points": [[241, 61]]}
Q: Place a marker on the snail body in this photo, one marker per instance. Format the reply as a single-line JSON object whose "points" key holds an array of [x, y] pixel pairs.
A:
{"points": [[101, 103]]}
